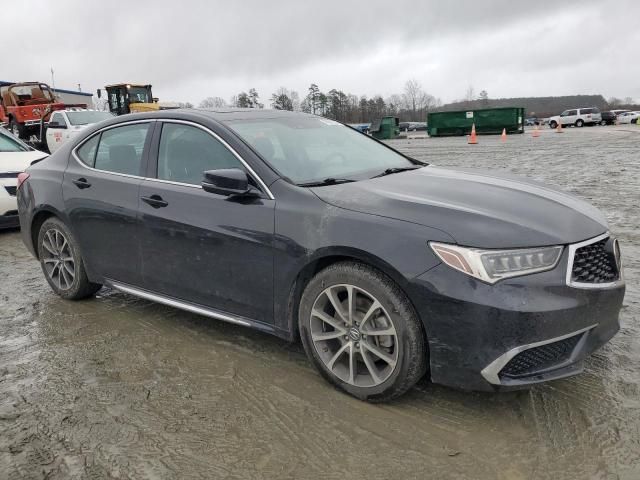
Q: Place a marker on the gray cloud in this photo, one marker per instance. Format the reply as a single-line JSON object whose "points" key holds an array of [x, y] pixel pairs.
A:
{"points": [[195, 48]]}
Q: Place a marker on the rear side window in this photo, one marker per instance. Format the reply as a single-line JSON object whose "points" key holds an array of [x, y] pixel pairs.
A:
{"points": [[586, 111], [87, 152], [120, 149], [186, 152]]}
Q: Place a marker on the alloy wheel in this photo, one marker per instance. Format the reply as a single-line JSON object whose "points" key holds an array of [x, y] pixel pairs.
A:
{"points": [[354, 335], [58, 259]]}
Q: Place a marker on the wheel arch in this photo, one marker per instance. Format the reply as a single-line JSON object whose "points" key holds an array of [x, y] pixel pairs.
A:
{"points": [[36, 222], [322, 259]]}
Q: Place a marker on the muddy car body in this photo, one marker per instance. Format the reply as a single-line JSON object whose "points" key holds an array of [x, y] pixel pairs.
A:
{"points": [[386, 268]]}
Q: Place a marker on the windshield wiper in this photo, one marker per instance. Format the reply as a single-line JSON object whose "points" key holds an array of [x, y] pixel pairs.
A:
{"points": [[393, 170], [326, 181]]}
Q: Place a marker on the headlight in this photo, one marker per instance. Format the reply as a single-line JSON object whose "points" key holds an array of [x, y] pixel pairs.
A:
{"points": [[493, 265]]}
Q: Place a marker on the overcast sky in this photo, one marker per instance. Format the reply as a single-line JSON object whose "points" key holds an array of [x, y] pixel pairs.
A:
{"points": [[191, 49]]}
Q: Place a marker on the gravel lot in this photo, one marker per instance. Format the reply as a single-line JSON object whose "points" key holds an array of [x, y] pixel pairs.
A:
{"points": [[120, 387]]}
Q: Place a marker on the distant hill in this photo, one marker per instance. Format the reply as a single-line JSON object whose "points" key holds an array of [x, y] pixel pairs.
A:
{"points": [[534, 106]]}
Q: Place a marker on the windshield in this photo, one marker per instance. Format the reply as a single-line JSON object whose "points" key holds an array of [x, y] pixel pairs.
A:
{"points": [[85, 118], [10, 144], [139, 95], [307, 148]]}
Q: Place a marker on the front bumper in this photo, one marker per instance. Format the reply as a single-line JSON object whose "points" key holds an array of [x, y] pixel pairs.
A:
{"points": [[474, 329]]}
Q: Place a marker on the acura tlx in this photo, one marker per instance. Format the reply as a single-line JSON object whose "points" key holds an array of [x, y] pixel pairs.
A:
{"points": [[386, 268]]}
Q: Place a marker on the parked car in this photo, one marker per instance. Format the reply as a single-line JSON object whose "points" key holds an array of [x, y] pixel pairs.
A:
{"points": [[628, 117], [578, 117], [386, 268], [15, 157], [608, 118], [66, 124], [618, 112], [531, 121]]}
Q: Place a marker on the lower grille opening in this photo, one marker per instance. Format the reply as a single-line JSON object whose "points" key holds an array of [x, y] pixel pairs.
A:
{"points": [[11, 213], [540, 358], [11, 190]]}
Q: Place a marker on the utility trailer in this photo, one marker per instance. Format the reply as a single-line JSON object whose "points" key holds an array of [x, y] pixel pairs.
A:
{"points": [[486, 120]]}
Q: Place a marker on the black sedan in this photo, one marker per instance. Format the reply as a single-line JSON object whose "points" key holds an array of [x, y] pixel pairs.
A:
{"points": [[386, 268]]}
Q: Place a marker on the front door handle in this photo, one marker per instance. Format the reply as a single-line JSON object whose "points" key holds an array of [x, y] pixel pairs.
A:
{"points": [[81, 183], [155, 201]]}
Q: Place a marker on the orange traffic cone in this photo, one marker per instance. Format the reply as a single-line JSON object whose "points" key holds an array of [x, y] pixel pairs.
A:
{"points": [[473, 139], [559, 127], [536, 133], [503, 137]]}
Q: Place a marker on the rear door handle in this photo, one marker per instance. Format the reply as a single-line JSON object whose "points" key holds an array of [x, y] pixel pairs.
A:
{"points": [[81, 183], [155, 201]]}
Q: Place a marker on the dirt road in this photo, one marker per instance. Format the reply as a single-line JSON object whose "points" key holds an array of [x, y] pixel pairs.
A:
{"points": [[123, 388]]}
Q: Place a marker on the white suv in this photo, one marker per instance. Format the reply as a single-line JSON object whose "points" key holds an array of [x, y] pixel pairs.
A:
{"points": [[578, 117]]}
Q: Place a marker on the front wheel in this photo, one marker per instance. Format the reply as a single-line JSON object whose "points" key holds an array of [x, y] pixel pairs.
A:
{"points": [[361, 333], [553, 124], [61, 262], [579, 123]]}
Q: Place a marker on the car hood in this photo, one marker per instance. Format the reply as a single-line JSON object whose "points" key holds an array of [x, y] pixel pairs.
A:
{"points": [[18, 161], [477, 208]]}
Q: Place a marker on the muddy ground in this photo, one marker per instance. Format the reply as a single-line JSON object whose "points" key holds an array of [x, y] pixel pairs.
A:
{"points": [[124, 388]]}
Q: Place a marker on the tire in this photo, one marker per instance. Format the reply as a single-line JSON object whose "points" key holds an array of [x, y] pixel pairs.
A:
{"points": [[603, 122], [62, 263], [553, 124], [17, 129], [384, 366], [579, 123]]}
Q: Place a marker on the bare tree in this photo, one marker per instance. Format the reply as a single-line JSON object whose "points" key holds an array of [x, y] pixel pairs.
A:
{"points": [[470, 95], [212, 102], [628, 101]]}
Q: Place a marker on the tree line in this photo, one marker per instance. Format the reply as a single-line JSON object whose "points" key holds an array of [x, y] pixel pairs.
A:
{"points": [[412, 104]]}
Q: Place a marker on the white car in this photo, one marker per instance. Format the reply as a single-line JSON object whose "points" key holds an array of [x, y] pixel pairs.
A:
{"points": [[15, 157], [578, 117], [66, 124], [628, 117]]}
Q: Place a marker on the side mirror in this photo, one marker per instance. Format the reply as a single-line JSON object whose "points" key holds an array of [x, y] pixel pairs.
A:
{"points": [[228, 182]]}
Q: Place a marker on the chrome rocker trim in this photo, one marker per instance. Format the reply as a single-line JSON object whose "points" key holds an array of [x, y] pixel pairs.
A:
{"points": [[491, 371], [189, 307]]}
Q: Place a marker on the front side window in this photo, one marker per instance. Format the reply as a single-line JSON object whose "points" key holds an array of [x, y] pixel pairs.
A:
{"points": [[58, 118], [308, 148], [572, 112], [120, 149], [186, 152]]}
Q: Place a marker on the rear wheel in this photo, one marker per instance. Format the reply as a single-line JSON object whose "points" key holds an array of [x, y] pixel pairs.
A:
{"points": [[61, 262], [361, 333]]}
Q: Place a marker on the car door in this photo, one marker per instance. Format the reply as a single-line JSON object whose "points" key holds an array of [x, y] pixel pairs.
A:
{"points": [[569, 117], [57, 131], [101, 193], [200, 247]]}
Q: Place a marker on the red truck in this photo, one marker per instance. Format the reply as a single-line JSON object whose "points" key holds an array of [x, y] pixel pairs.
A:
{"points": [[25, 108]]}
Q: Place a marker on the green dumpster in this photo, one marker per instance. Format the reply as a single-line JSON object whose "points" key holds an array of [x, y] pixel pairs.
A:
{"points": [[487, 121], [385, 128]]}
